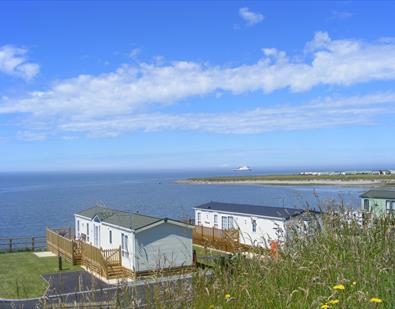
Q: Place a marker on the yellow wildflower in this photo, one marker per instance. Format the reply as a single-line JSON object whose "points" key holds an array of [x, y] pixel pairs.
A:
{"points": [[354, 283], [324, 306], [339, 287], [334, 301], [376, 300], [227, 296]]}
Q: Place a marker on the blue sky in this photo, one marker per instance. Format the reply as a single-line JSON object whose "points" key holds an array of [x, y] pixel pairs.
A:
{"points": [[174, 85]]}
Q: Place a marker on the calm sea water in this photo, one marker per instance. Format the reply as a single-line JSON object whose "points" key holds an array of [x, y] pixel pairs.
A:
{"points": [[30, 202]]}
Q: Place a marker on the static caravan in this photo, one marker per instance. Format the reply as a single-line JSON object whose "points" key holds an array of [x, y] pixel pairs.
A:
{"points": [[257, 225], [146, 243], [378, 202]]}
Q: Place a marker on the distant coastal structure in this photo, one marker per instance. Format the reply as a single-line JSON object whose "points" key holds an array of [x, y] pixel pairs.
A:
{"points": [[343, 173]]}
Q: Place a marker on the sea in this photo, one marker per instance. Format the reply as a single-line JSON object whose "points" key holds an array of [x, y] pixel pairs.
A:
{"points": [[30, 202]]}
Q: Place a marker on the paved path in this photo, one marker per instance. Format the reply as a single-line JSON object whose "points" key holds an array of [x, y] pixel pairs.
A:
{"points": [[64, 290], [72, 282]]}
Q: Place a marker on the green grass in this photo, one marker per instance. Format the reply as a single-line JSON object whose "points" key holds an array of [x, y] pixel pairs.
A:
{"points": [[307, 269], [20, 274], [207, 252], [296, 177], [304, 274]]}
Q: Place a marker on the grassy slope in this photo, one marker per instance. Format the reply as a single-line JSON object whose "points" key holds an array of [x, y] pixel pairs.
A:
{"points": [[295, 177], [308, 269], [20, 274], [304, 274]]}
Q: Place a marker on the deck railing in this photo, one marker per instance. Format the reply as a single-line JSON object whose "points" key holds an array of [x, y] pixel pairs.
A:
{"points": [[227, 240], [93, 259], [112, 256], [61, 245], [212, 233], [104, 262]]}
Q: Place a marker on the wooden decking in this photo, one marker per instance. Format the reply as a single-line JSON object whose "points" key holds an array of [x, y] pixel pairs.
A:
{"points": [[106, 263], [226, 240]]}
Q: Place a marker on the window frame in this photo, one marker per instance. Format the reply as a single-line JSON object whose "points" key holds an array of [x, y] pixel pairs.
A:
{"points": [[366, 204], [230, 223], [215, 220]]}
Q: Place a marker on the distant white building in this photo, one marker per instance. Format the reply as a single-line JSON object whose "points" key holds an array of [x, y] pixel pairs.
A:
{"points": [[258, 225], [147, 243]]}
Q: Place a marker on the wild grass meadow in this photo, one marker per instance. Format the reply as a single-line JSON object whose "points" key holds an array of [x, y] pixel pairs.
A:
{"points": [[343, 266]]}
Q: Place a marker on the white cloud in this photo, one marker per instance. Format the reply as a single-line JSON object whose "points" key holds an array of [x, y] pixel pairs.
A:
{"points": [[131, 88], [13, 61], [320, 113], [251, 18], [337, 15], [31, 136], [134, 52], [126, 99]]}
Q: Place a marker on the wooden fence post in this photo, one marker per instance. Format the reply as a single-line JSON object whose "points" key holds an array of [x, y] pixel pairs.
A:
{"points": [[213, 233], [32, 243]]}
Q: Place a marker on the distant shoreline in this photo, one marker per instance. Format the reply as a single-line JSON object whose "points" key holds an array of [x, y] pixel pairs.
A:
{"points": [[296, 180]]}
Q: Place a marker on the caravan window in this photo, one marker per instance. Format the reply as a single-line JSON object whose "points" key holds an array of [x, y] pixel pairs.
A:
{"points": [[199, 218], [224, 223], [390, 206], [227, 222], [124, 244], [230, 222], [366, 204], [216, 221], [110, 236]]}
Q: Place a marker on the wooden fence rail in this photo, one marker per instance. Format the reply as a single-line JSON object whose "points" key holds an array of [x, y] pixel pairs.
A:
{"points": [[13, 244], [112, 256], [213, 234], [93, 259], [63, 246], [107, 263], [227, 240]]}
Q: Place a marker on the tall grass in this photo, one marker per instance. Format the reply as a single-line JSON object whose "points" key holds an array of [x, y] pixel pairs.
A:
{"points": [[307, 269]]}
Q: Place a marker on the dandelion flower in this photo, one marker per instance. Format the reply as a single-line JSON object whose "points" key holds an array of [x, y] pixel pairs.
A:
{"points": [[354, 283], [334, 301], [339, 287], [324, 306], [376, 300], [227, 296]]}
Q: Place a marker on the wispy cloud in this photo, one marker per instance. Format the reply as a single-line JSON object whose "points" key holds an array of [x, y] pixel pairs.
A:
{"points": [[31, 136], [126, 100], [130, 88], [251, 18], [319, 113], [339, 15], [134, 52], [13, 61]]}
